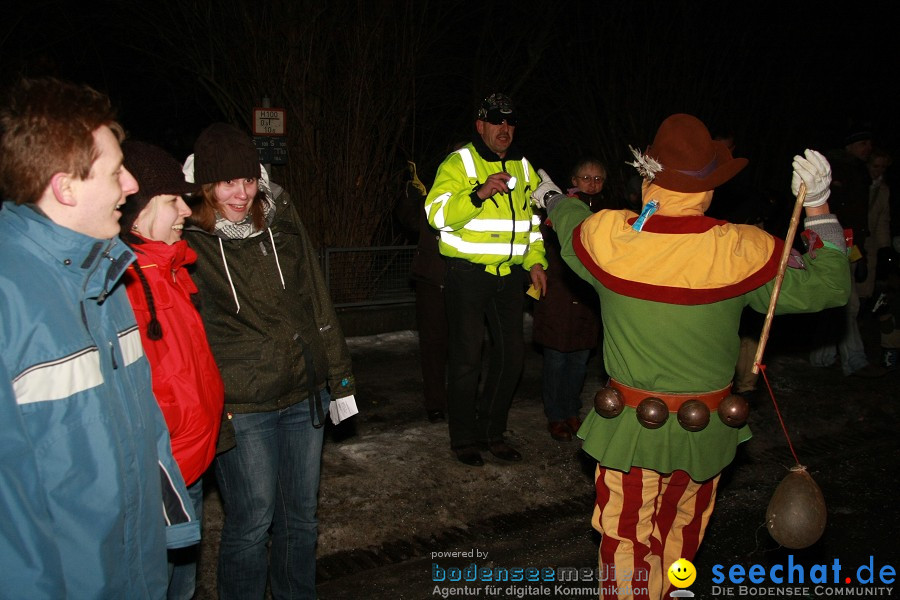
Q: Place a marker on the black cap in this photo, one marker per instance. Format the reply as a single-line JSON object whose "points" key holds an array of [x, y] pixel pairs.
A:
{"points": [[497, 108]]}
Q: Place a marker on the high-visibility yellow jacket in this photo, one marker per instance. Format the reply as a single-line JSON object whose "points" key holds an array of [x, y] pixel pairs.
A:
{"points": [[503, 231]]}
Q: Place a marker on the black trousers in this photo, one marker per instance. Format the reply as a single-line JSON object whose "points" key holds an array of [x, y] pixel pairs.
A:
{"points": [[475, 297], [431, 320]]}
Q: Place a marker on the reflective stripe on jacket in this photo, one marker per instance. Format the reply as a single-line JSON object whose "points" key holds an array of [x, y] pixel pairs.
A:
{"points": [[87, 479], [503, 231]]}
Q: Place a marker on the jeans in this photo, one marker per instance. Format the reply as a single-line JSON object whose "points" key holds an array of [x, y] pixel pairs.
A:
{"points": [[270, 479], [562, 380], [183, 561], [474, 296]]}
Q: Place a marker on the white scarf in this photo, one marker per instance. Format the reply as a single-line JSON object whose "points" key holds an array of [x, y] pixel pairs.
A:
{"points": [[245, 228]]}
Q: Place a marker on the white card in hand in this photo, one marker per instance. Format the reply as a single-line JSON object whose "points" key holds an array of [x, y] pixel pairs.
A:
{"points": [[342, 408]]}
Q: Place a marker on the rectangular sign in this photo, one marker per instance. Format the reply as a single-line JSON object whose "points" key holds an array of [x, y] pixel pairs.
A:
{"points": [[272, 150], [268, 121]]}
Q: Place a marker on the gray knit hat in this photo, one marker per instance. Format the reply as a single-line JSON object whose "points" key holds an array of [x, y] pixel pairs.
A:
{"points": [[223, 152], [157, 173]]}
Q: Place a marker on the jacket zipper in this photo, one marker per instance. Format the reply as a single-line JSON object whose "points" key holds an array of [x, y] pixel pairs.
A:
{"points": [[512, 210]]}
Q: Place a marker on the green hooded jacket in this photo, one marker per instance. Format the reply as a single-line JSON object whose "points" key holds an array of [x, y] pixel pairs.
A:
{"points": [[268, 316]]}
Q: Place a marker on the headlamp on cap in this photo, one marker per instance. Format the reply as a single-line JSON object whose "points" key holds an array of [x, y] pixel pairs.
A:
{"points": [[497, 108]]}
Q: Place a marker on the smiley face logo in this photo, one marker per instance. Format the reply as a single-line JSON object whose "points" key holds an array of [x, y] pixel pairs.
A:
{"points": [[682, 573]]}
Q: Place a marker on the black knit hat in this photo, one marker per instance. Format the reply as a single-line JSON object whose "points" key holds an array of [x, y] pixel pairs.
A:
{"points": [[223, 152], [857, 131], [156, 172]]}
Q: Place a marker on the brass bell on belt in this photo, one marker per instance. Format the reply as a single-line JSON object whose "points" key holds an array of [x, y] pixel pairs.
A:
{"points": [[608, 402], [734, 410], [693, 415], [652, 413]]}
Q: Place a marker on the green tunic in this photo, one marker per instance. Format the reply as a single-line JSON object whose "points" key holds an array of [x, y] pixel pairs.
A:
{"points": [[679, 348]]}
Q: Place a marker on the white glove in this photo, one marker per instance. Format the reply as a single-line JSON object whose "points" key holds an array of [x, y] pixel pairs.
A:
{"points": [[546, 190], [815, 172]]}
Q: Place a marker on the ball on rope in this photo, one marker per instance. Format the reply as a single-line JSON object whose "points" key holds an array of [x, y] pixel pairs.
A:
{"points": [[796, 514]]}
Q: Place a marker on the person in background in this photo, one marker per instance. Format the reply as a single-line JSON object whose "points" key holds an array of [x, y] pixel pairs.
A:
{"points": [[837, 332], [89, 492], [567, 318], [738, 203], [633, 193], [427, 274], [887, 311], [588, 177], [884, 267], [672, 285], [878, 245], [279, 346], [491, 239], [186, 381]]}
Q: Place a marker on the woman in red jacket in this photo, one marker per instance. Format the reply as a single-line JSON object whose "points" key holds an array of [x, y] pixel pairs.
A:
{"points": [[186, 381]]}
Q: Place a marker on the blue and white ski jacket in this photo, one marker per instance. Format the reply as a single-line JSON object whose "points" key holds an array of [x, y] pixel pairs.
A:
{"points": [[89, 491]]}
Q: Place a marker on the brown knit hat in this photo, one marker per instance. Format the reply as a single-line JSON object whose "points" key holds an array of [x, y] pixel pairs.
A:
{"points": [[157, 173], [223, 152]]}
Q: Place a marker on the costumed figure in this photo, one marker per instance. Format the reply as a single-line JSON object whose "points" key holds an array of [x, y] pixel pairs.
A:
{"points": [[672, 284]]}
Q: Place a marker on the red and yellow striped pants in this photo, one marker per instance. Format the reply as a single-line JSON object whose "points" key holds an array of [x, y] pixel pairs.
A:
{"points": [[648, 521]]}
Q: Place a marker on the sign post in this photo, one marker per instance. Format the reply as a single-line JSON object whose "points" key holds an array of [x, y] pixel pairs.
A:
{"points": [[268, 135]]}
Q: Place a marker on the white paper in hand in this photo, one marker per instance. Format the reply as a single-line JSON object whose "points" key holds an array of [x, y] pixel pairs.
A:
{"points": [[342, 408]]}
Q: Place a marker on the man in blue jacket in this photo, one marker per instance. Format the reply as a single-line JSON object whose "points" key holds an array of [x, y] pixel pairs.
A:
{"points": [[89, 492]]}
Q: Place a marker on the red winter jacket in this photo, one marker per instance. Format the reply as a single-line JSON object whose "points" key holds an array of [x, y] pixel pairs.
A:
{"points": [[186, 381]]}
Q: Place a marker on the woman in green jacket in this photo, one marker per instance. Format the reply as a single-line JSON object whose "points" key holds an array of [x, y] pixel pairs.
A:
{"points": [[282, 355]]}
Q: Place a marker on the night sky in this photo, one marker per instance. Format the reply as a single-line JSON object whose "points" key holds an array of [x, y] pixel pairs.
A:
{"points": [[781, 76]]}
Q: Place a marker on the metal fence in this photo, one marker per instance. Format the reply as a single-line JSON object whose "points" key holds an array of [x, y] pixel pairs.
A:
{"points": [[368, 276]]}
